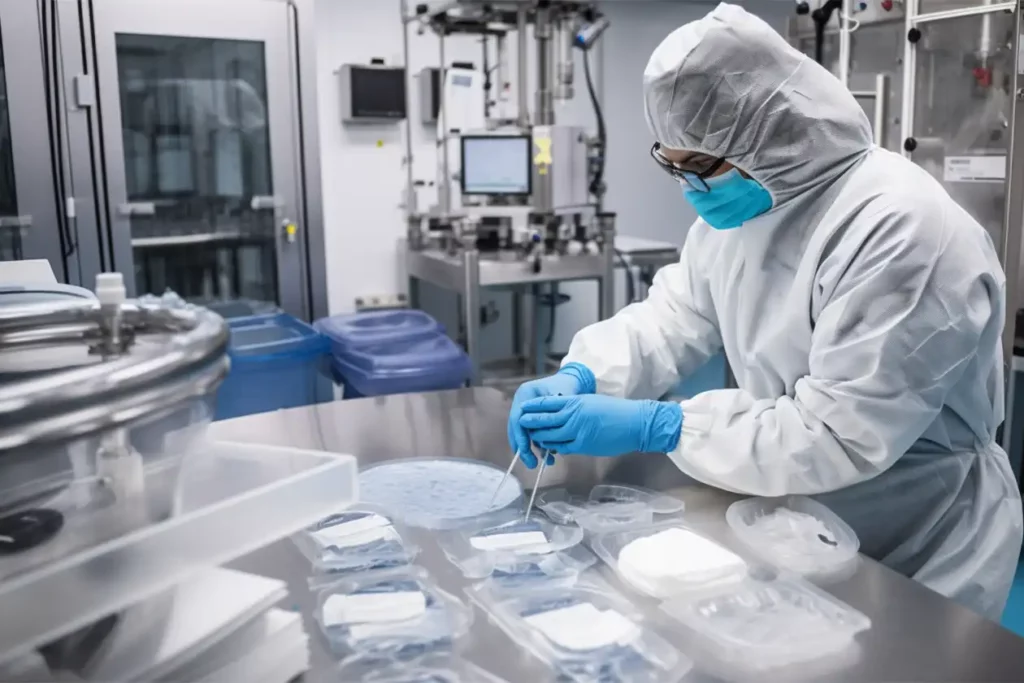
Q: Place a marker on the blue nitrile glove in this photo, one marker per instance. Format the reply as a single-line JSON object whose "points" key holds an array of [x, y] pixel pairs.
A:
{"points": [[602, 425], [571, 380]]}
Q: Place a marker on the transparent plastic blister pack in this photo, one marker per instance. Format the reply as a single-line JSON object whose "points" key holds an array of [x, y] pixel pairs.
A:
{"points": [[768, 621], [361, 538], [396, 613], [440, 493], [608, 506], [662, 560], [795, 533], [427, 669], [481, 549], [585, 633]]}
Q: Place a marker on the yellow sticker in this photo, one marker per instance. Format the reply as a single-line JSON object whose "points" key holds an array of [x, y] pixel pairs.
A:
{"points": [[543, 156], [380, 143], [290, 229]]}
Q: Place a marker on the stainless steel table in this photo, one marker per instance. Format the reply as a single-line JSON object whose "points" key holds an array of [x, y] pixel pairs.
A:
{"points": [[916, 635]]}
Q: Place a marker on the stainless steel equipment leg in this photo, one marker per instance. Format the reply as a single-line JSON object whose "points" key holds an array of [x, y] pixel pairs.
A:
{"points": [[471, 308], [606, 283], [517, 324], [540, 352], [414, 292]]}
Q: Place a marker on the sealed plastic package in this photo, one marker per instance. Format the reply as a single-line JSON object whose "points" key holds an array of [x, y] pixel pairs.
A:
{"points": [[768, 621], [795, 533], [395, 613], [427, 669], [516, 551], [584, 633], [662, 560], [608, 506], [361, 538], [440, 493]]}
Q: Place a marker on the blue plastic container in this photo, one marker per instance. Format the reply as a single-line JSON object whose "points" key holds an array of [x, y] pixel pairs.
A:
{"points": [[358, 330], [401, 367], [276, 362]]}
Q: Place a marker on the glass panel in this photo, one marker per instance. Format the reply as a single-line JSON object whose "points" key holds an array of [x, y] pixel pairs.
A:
{"points": [[196, 153], [962, 107], [932, 6], [10, 237], [875, 48]]}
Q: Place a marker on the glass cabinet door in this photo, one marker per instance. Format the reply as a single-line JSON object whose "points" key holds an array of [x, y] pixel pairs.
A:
{"points": [[199, 131], [962, 104], [28, 202]]}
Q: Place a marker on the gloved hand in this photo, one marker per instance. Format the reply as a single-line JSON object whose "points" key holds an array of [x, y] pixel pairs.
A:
{"points": [[602, 425], [570, 380]]}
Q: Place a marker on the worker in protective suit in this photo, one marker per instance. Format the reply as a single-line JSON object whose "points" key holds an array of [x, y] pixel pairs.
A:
{"points": [[859, 307]]}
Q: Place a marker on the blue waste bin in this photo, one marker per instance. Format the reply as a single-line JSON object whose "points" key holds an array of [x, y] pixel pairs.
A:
{"points": [[356, 330], [401, 367], [276, 362]]}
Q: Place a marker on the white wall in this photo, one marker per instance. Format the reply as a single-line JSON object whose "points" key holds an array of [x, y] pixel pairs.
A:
{"points": [[363, 177]]}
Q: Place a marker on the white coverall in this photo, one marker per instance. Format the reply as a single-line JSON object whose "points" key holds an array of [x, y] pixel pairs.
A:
{"points": [[861, 316]]}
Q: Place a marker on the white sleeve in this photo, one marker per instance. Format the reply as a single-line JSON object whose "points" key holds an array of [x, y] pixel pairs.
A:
{"points": [[911, 309], [647, 347]]}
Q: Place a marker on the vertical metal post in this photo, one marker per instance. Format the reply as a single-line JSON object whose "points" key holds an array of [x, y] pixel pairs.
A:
{"points": [[517, 324], [539, 351], [522, 77], [410, 185], [1011, 238], [544, 115], [606, 284], [844, 42], [881, 113], [444, 188], [471, 304], [909, 77]]}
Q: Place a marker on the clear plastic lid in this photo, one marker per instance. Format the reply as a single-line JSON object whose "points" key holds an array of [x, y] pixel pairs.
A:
{"points": [[440, 493], [427, 669], [768, 621], [373, 327], [362, 538], [478, 549], [561, 569], [585, 633], [395, 613], [609, 506], [666, 559], [794, 533]]}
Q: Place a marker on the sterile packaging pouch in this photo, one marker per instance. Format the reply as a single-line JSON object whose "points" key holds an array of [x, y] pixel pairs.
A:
{"points": [[395, 613], [478, 549], [586, 633], [662, 560], [561, 569], [768, 621], [795, 533], [426, 669], [609, 506], [362, 538]]}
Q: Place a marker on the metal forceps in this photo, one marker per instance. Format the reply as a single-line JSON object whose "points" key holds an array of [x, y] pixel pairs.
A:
{"points": [[536, 484]]}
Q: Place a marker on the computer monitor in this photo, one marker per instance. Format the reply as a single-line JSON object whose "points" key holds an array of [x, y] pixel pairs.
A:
{"points": [[496, 165]]}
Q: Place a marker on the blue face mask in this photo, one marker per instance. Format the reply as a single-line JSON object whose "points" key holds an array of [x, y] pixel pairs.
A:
{"points": [[731, 201]]}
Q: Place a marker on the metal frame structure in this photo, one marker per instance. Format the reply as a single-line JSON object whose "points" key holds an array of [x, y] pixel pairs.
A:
{"points": [[84, 87]]}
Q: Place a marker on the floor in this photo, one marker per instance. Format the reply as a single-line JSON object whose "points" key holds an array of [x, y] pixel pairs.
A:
{"points": [[1013, 615]]}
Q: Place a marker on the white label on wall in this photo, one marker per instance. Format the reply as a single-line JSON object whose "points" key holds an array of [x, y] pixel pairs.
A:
{"points": [[988, 169]]}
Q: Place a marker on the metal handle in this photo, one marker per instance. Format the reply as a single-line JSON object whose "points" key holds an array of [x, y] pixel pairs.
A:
{"points": [[16, 221], [137, 209], [261, 202]]}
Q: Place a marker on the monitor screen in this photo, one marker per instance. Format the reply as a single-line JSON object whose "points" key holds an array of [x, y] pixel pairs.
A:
{"points": [[496, 164]]}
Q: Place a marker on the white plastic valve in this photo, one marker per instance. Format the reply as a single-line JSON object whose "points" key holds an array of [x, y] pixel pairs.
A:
{"points": [[110, 289]]}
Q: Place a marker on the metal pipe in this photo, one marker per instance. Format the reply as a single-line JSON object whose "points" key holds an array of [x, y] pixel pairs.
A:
{"points": [[566, 62], [410, 185], [522, 78], [985, 39], [909, 76], [545, 112], [1008, 7], [444, 187], [844, 42], [881, 112], [500, 72]]}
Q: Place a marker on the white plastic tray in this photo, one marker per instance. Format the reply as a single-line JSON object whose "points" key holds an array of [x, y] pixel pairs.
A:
{"points": [[680, 559], [767, 622], [794, 533], [234, 499]]}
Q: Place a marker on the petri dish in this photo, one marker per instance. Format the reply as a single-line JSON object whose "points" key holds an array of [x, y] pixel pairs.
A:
{"points": [[440, 493]]}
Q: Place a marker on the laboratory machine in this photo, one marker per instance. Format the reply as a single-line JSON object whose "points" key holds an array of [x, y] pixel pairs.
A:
{"points": [[518, 197], [117, 510]]}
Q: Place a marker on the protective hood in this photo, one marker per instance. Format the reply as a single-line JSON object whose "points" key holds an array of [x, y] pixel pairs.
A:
{"points": [[729, 86]]}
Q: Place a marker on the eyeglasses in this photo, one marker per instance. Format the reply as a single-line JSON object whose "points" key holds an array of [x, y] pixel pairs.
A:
{"points": [[692, 173]]}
